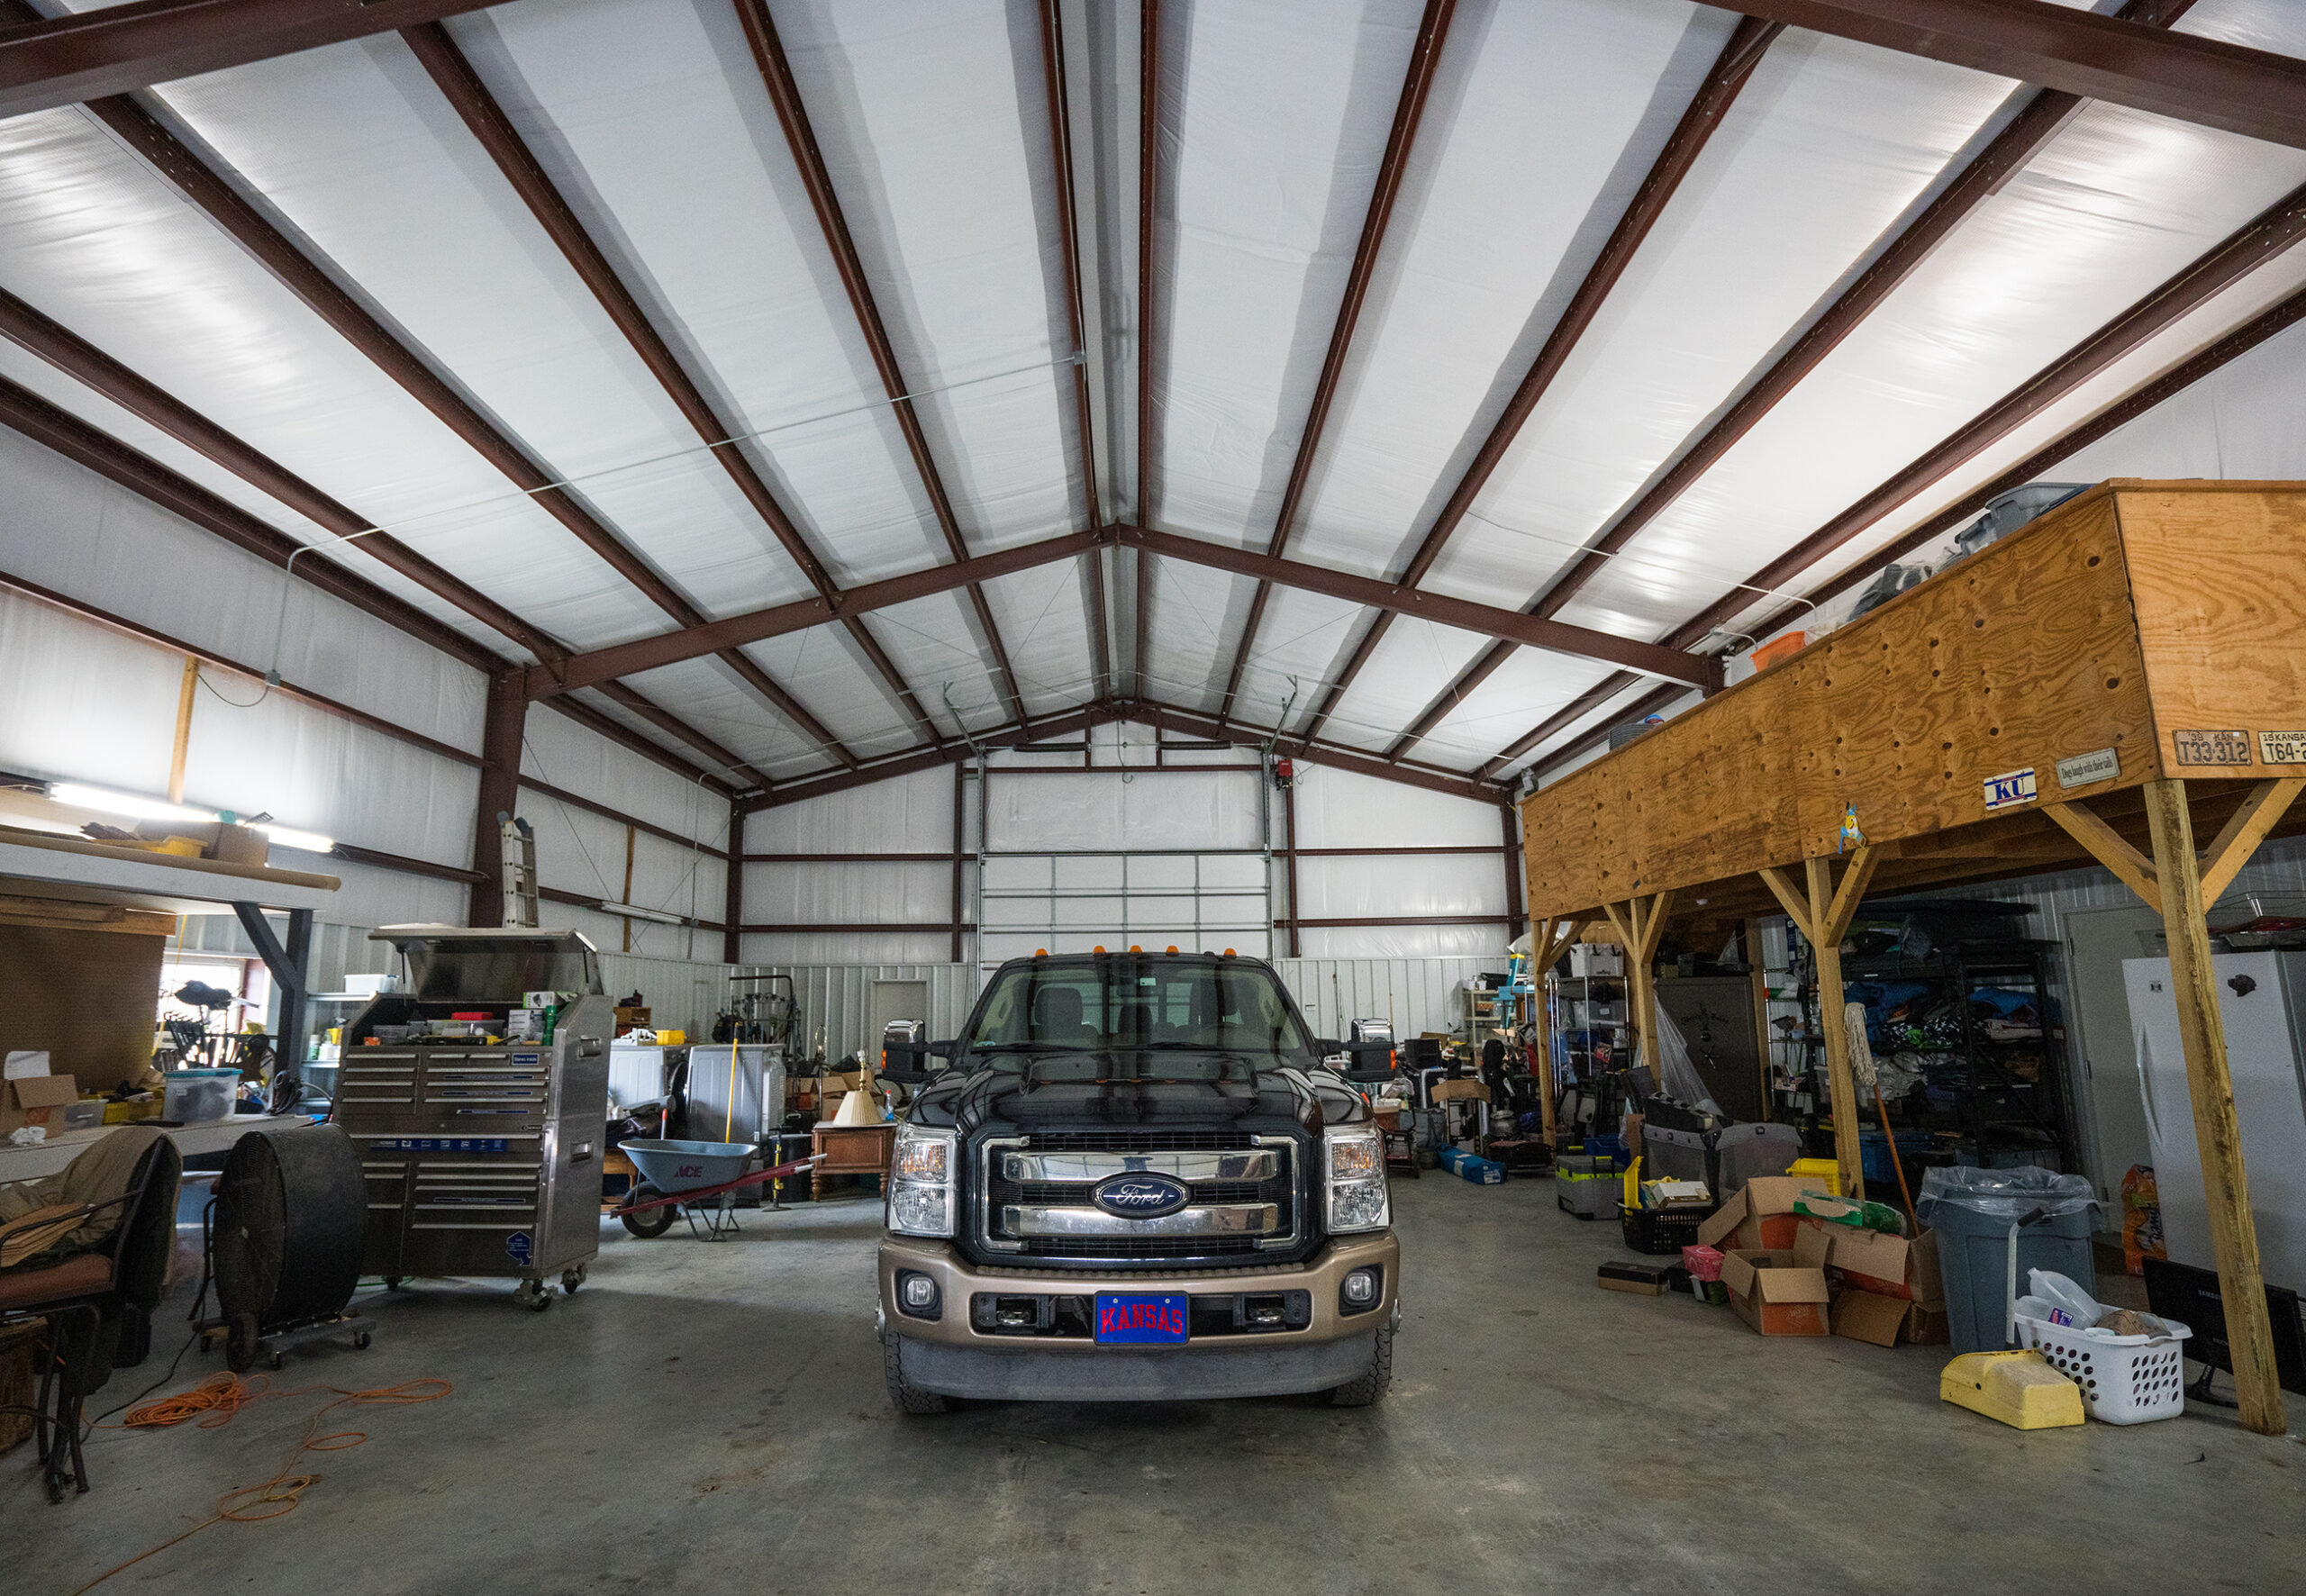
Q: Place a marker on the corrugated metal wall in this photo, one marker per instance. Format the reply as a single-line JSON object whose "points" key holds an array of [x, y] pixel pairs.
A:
{"points": [[1417, 994], [833, 999]]}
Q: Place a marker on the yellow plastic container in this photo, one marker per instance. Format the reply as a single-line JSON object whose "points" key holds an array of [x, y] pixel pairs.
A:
{"points": [[1823, 1170], [2019, 1388]]}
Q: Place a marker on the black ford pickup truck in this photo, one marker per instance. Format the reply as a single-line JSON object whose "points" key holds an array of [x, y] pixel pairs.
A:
{"points": [[1134, 1178]]}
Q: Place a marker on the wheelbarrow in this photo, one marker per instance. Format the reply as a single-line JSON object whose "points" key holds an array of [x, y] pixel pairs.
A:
{"points": [[679, 1176]]}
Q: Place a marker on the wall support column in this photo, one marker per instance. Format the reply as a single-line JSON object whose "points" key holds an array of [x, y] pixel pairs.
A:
{"points": [[732, 906], [500, 792], [961, 846], [1515, 922], [2233, 1233]]}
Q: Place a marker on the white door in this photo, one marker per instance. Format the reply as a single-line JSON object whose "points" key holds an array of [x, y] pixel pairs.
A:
{"points": [[2098, 1020]]}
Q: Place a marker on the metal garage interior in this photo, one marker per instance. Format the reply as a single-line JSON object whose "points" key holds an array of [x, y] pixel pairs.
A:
{"points": [[885, 488]]}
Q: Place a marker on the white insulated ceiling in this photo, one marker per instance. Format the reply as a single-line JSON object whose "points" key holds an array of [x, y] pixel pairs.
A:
{"points": [[653, 123]]}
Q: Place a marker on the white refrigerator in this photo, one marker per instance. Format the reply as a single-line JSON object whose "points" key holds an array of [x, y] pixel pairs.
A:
{"points": [[2262, 998]]}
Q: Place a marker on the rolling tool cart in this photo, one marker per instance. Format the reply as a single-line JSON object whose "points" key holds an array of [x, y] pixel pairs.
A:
{"points": [[476, 1097]]}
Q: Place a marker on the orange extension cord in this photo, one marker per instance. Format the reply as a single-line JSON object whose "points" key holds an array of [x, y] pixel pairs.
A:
{"points": [[216, 1400]]}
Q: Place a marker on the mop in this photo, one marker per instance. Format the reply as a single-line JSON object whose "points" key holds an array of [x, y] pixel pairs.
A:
{"points": [[1861, 1064]]}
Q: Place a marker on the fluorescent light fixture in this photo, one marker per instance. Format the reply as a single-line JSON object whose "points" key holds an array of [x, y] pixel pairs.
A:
{"points": [[634, 911], [146, 809], [312, 842]]}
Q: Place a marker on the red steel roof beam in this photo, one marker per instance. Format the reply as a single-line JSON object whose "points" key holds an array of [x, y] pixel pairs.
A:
{"points": [[1730, 71], [1425, 57], [785, 93]]}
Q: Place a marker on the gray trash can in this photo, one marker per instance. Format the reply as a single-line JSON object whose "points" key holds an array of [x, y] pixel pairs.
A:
{"points": [[1971, 1210]]}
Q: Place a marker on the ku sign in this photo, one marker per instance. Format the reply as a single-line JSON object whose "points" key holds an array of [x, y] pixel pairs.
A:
{"points": [[2016, 786]]}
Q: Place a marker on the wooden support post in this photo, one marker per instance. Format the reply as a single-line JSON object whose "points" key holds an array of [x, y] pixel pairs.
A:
{"points": [[1548, 941], [2233, 1233], [184, 729], [732, 906], [1822, 914], [1752, 933], [505, 721], [1641, 927]]}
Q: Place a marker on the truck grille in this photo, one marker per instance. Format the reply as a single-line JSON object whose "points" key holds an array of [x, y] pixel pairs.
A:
{"points": [[1247, 1218]]}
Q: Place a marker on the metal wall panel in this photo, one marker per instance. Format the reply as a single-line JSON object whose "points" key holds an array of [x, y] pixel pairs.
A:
{"points": [[1417, 994]]}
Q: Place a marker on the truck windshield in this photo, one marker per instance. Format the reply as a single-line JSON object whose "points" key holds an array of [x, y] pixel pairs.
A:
{"points": [[1138, 1003]]}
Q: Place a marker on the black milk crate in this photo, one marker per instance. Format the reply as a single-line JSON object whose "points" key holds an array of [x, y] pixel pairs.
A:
{"points": [[1659, 1231]]}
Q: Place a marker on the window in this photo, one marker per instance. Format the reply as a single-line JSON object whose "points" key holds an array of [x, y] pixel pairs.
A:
{"points": [[1053, 1004]]}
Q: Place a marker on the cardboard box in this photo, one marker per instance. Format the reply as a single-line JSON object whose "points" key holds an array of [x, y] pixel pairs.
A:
{"points": [[1641, 1280], [241, 845], [1885, 1265], [1759, 1218], [1886, 1321], [1781, 1292], [36, 1100], [1467, 1088]]}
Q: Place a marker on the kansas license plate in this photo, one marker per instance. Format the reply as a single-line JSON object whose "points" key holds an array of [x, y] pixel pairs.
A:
{"points": [[1132, 1319]]}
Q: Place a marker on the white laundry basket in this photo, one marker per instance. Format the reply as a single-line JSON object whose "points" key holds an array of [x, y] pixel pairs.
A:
{"points": [[2124, 1379]]}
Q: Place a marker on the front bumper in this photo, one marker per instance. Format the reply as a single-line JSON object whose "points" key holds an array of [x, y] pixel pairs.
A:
{"points": [[948, 1354]]}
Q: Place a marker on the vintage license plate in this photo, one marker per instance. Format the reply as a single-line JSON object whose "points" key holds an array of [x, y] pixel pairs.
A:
{"points": [[1129, 1319], [2212, 748], [2013, 786], [2282, 748]]}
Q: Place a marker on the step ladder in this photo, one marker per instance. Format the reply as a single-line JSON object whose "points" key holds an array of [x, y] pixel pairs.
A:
{"points": [[520, 845]]}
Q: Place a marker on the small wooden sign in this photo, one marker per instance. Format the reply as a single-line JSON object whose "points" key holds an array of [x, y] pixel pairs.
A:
{"points": [[2212, 748], [2282, 748]]}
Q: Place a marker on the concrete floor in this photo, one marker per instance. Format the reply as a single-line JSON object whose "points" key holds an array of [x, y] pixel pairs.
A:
{"points": [[711, 1419]]}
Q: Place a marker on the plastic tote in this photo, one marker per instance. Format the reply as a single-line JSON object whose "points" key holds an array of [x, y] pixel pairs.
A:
{"points": [[1973, 1211], [198, 1096]]}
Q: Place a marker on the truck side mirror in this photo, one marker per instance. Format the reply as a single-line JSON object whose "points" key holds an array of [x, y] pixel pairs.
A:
{"points": [[904, 1057]]}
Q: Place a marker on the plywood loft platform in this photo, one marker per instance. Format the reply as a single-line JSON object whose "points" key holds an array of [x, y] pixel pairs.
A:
{"points": [[2135, 611], [2125, 674]]}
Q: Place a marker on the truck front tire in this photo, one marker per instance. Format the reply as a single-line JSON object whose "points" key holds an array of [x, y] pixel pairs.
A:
{"points": [[1373, 1382], [908, 1397]]}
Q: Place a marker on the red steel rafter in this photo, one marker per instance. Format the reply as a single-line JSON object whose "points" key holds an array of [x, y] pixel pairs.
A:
{"points": [[1425, 57], [785, 93], [1730, 71]]}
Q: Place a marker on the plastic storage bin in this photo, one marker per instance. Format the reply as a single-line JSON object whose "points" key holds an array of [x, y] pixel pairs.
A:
{"points": [[198, 1096], [2124, 1379], [1586, 1187]]}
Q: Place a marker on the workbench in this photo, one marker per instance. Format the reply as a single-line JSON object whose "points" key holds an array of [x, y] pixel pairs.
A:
{"points": [[2127, 672]]}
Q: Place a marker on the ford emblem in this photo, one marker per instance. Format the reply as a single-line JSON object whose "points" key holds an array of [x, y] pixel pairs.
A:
{"points": [[1139, 1196]]}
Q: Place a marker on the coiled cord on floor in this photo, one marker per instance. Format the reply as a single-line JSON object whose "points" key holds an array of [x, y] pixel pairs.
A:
{"points": [[216, 1400]]}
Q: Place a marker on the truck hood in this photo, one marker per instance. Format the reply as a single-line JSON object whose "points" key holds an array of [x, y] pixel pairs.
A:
{"points": [[1166, 1087]]}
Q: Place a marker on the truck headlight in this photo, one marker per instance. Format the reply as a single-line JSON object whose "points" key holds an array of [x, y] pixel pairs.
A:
{"points": [[921, 1183], [1355, 1161]]}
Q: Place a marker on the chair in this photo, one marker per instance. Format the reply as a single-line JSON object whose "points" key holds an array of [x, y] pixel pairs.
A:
{"points": [[1056, 1018], [96, 1288]]}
